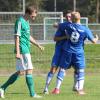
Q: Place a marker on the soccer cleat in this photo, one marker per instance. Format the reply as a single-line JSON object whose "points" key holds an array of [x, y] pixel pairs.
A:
{"points": [[45, 92], [1, 93], [56, 91], [37, 96]]}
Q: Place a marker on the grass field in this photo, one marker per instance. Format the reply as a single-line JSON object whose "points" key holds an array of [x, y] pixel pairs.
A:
{"points": [[18, 91], [41, 62]]}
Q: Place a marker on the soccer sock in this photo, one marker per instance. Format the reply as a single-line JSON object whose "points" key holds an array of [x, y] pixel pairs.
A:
{"points": [[60, 77], [75, 79], [10, 81], [49, 78], [30, 84], [80, 80]]}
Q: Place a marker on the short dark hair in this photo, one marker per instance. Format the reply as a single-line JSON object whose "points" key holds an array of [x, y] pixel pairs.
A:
{"points": [[29, 9]]}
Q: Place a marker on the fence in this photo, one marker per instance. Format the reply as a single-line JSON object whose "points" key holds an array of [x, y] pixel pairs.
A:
{"points": [[7, 57]]}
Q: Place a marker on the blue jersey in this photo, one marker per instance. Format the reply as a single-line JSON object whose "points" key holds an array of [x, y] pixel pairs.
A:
{"points": [[58, 47], [77, 33], [59, 33], [73, 51]]}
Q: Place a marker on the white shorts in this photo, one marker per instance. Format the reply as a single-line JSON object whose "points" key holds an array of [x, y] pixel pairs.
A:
{"points": [[24, 63]]}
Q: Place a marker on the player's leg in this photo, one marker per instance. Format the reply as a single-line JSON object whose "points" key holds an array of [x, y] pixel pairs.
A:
{"points": [[49, 78], [10, 81], [75, 79], [79, 85], [79, 73], [29, 76], [60, 77], [12, 78], [53, 69], [65, 62]]}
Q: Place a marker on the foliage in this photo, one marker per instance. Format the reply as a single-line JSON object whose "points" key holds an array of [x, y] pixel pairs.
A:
{"points": [[86, 7]]}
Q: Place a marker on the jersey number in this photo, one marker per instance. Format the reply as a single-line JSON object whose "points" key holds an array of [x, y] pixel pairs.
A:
{"points": [[74, 37]]}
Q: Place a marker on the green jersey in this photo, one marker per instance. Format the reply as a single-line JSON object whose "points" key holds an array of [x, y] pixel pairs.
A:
{"points": [[22, 29]]}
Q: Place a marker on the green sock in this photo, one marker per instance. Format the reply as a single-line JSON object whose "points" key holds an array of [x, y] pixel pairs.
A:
{"points": [[30, 84], [10, 81]]}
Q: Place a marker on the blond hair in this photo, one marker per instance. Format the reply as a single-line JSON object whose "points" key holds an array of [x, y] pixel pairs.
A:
{"points": [[75, 16]]}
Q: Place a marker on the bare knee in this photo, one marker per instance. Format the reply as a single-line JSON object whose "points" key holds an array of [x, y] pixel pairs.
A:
{"points": [[29, 71], [53, 69], [20, 73]]}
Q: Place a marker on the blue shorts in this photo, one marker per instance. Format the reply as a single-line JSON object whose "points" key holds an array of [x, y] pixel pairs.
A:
{"points": [[77, 60], [56, 57]]}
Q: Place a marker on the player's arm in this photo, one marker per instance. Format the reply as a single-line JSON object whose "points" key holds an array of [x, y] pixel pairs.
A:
{"points": [[94, 40], [58, 35], [33, 41], [17, 38], [17, 46], [60, 38], [91, 37]]}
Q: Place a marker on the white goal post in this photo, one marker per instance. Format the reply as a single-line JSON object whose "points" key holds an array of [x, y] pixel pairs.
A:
{"points": [[49, 30]]}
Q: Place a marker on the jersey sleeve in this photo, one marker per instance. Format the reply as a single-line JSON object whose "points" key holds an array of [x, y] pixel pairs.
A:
{"points": [[18, 28], [89, 34]]}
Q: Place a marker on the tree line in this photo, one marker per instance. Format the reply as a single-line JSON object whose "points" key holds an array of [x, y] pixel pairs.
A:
{"points": [[87, 8]]}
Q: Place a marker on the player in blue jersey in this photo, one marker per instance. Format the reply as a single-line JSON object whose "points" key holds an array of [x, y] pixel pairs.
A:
{"points": [[73, 52], [57, 53], [22, 51]]}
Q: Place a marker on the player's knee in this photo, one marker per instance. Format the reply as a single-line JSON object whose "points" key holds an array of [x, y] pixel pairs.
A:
{"points": [[53, 70], [61, 74], [50, 74], [29, 71], [20, 73]]}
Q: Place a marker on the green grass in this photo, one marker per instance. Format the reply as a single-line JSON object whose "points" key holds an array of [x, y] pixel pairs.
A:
{"points": [[18, 91], [42, 60]]}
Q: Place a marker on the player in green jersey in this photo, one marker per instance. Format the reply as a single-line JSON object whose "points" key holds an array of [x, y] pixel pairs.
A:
{"points": [[22, 50]]}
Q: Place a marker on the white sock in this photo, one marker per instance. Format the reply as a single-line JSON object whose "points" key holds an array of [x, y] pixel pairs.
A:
{"points": [[58, 83], [48, 80], [79, 85]]}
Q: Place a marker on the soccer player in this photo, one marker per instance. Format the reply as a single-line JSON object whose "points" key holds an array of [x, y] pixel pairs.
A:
{"points": [[57, 54], [73, 52], [22, 50]]}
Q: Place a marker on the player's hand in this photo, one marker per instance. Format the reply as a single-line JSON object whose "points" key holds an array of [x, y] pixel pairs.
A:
{"points": [[96, 36], [18, 56], [95, 39], [41, 47]]}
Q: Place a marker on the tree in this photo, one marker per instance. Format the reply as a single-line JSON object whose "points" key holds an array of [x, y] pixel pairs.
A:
{"points": [[10, 5], [98, 11]]}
